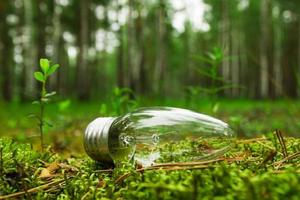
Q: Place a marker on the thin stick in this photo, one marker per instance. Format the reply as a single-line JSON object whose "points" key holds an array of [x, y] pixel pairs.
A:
{"points": [[124, 176], [283, 171], [251, 140], [32, 190], [281, 142], [197, 163], [104, 170], [43, 162], [85, 195], [267, 146], [178, 166], [187, 164], [290, 157], [270, 156]]}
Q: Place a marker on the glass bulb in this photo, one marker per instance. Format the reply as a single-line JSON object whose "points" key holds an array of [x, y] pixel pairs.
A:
{"points": [[157, 135]]}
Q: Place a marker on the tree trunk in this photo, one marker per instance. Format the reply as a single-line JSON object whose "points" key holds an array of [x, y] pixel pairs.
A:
{"points": [[290, 59], [235, 72], [121, 82], [298, 68], [6, 47], [142, 79], [58, 47], [265, 47], [130, 38], [120, 62], [63, 74], [277, 58], [225, 42], [82, 65], [30, 52], [187, 79], [2, 21], [243, 67], [41, 18], [159, 73], [133, 51]]}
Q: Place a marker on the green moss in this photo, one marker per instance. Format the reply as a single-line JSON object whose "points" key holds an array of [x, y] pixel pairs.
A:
{"points": [[255, 175]]}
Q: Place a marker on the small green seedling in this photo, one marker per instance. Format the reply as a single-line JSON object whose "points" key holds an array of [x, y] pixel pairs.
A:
{"points": [[123, 100], [42, 76], [218, 84]]}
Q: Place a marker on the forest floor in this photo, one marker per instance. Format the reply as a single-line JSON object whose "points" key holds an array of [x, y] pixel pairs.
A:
{"points": [[261, 165]]}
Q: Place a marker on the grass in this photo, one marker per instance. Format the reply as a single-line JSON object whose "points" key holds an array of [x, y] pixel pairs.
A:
{"points": [[256, 168], [252, 117]]}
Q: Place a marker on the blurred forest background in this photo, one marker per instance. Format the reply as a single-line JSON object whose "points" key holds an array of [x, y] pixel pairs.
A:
{"points": [[156, 48]]}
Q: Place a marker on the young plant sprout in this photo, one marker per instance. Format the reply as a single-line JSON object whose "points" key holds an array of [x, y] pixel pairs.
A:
{"points": [[156, 135], [42, 76]]}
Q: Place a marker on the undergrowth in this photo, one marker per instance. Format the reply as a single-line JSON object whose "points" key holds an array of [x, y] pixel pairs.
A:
{"points": [[259, 168]]}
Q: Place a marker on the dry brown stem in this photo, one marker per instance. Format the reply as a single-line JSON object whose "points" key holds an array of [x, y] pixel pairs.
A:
{"points": [[32, 190]]}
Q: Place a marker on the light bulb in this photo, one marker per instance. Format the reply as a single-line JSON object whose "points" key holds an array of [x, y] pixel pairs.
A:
{"points": [[157, 135]]}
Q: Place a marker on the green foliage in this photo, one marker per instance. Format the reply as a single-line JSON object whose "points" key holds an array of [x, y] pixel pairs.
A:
{"points": [[209, 68], [44, 64], [42, 76], [52, 69], [64, 105], [46, 70], [121, 101], [39, 76]]}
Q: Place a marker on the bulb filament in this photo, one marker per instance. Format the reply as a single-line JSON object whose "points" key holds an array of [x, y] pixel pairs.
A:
{"points": [[128, 140]]}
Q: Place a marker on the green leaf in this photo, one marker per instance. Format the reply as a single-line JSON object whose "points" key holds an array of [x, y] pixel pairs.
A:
{"points": [[39, 76], [36, 103], [44, 64], [52, 69], [32, 116], [63, 105], [50, 94], [45, 100], [216, 107], [48, 124], [202, 59], [208, 74]]}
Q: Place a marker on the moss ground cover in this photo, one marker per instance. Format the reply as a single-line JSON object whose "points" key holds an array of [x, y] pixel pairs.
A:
{"points": [[258, 168], [260, 165]]}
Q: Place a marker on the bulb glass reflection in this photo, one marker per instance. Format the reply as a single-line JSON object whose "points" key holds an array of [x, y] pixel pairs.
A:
{"points": [[165, 134]]}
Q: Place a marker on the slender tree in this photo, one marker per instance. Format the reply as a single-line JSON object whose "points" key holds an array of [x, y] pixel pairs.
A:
{"points": [[160, 62], [28, 84], [277, 26], [6, 49], [82, 64], [225, 37], [265, 47]]}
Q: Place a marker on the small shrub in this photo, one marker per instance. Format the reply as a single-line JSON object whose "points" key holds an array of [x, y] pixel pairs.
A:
{"points": [[42, 76]]}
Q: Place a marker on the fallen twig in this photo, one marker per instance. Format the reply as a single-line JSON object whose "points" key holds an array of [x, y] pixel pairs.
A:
{"points": [[197, 163], [248, 141], [85, 195], [124, 176], [281, 142], [271, 155], [104, 170], [32, 190], [269, 147], [178, 166], [284, 171], [290, 157]]}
